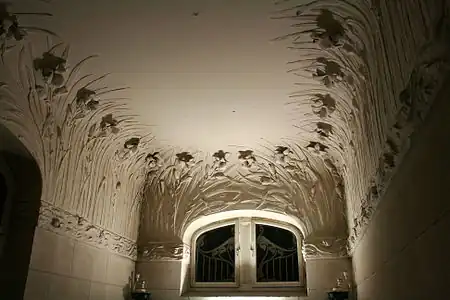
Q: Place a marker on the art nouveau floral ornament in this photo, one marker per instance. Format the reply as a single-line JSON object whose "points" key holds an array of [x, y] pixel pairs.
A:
{"points": [[12, 30], [73, 124], [359, 83], [283, 178]]}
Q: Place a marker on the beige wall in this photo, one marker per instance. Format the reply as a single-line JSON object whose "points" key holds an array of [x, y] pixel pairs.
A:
{"points": [[403, 253], [63, 268], [163, 278]]}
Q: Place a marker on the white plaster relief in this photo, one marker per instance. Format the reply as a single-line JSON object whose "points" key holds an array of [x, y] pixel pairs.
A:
{"points": [[73, 226], [355, 62], [358, 61], [331, 247], [77, 128], [426, 81], [181, 187], [162, 251]]}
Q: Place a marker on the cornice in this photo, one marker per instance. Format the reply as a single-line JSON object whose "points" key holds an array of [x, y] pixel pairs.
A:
{"points": [[166, 251], [62, 222], [325, 247]]}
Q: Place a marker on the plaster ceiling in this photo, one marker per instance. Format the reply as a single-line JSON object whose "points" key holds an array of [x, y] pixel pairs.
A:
{"points": [[208, 76], [203, 82]]}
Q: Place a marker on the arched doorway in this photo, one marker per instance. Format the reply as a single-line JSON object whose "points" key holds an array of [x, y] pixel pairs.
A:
{"points": [[4, 205], [3, 196], [20, 193]]}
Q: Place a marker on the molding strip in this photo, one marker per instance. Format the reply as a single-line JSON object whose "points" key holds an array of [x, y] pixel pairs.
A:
{"points": [[322, 248], [59, 221], [166, 251]]}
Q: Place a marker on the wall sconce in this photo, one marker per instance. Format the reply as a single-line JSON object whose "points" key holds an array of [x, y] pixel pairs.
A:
{"points": [[342, 289], [138, 288], [338, 295]]}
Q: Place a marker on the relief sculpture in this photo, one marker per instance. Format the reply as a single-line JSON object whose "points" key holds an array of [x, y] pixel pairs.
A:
{"points": [[351, 68], [182, 187], [73, 124], [363, 94]]}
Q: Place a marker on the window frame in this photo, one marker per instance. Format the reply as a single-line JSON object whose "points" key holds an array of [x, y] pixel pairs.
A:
{"points": [[241, 282], [196, 235], [299, 241]]}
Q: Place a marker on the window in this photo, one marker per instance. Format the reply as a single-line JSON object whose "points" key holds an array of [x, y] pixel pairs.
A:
{"points": [[246, 254]]}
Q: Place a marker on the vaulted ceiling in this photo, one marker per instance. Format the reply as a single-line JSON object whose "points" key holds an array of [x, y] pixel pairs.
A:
{"points": [[203, 82], [316, 95]]}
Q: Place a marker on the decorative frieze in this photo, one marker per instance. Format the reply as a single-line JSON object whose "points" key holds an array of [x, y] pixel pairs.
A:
{"points": [[162, 251], [425, 82], [331, 247], [73, 226], [182, 187]]}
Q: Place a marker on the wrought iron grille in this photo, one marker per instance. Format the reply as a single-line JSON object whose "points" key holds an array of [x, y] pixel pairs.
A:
{"points": [[276, 255], [215, 255]]}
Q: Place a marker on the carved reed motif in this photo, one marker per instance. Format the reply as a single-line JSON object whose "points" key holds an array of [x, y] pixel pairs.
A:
{"points": [[79, 130], [12, 31], [426, 80], [352, 68], [162, 251], [285, 179], [73, 226]]}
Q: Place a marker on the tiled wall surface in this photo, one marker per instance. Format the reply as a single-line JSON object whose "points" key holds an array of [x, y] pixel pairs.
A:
{"points": [[164, 278], [62, 268], [403, 254]]}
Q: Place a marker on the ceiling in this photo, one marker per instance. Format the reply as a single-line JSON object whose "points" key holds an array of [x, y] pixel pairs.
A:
{"points": [[205, 75]]}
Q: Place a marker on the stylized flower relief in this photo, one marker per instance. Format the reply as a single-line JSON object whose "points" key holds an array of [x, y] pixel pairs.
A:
{"points": [[282, 155], [326, 41], [152, 159], [220, 160], [85, 98], [132, 144], [329, 72], [130, 147], [185, 157], [10, 28], [247, 158], [9, 25], [323, 105], [317, 148], [282, 150], [221, 156], [324, 129], [330, 32], [108, 124], [51, 67]]}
